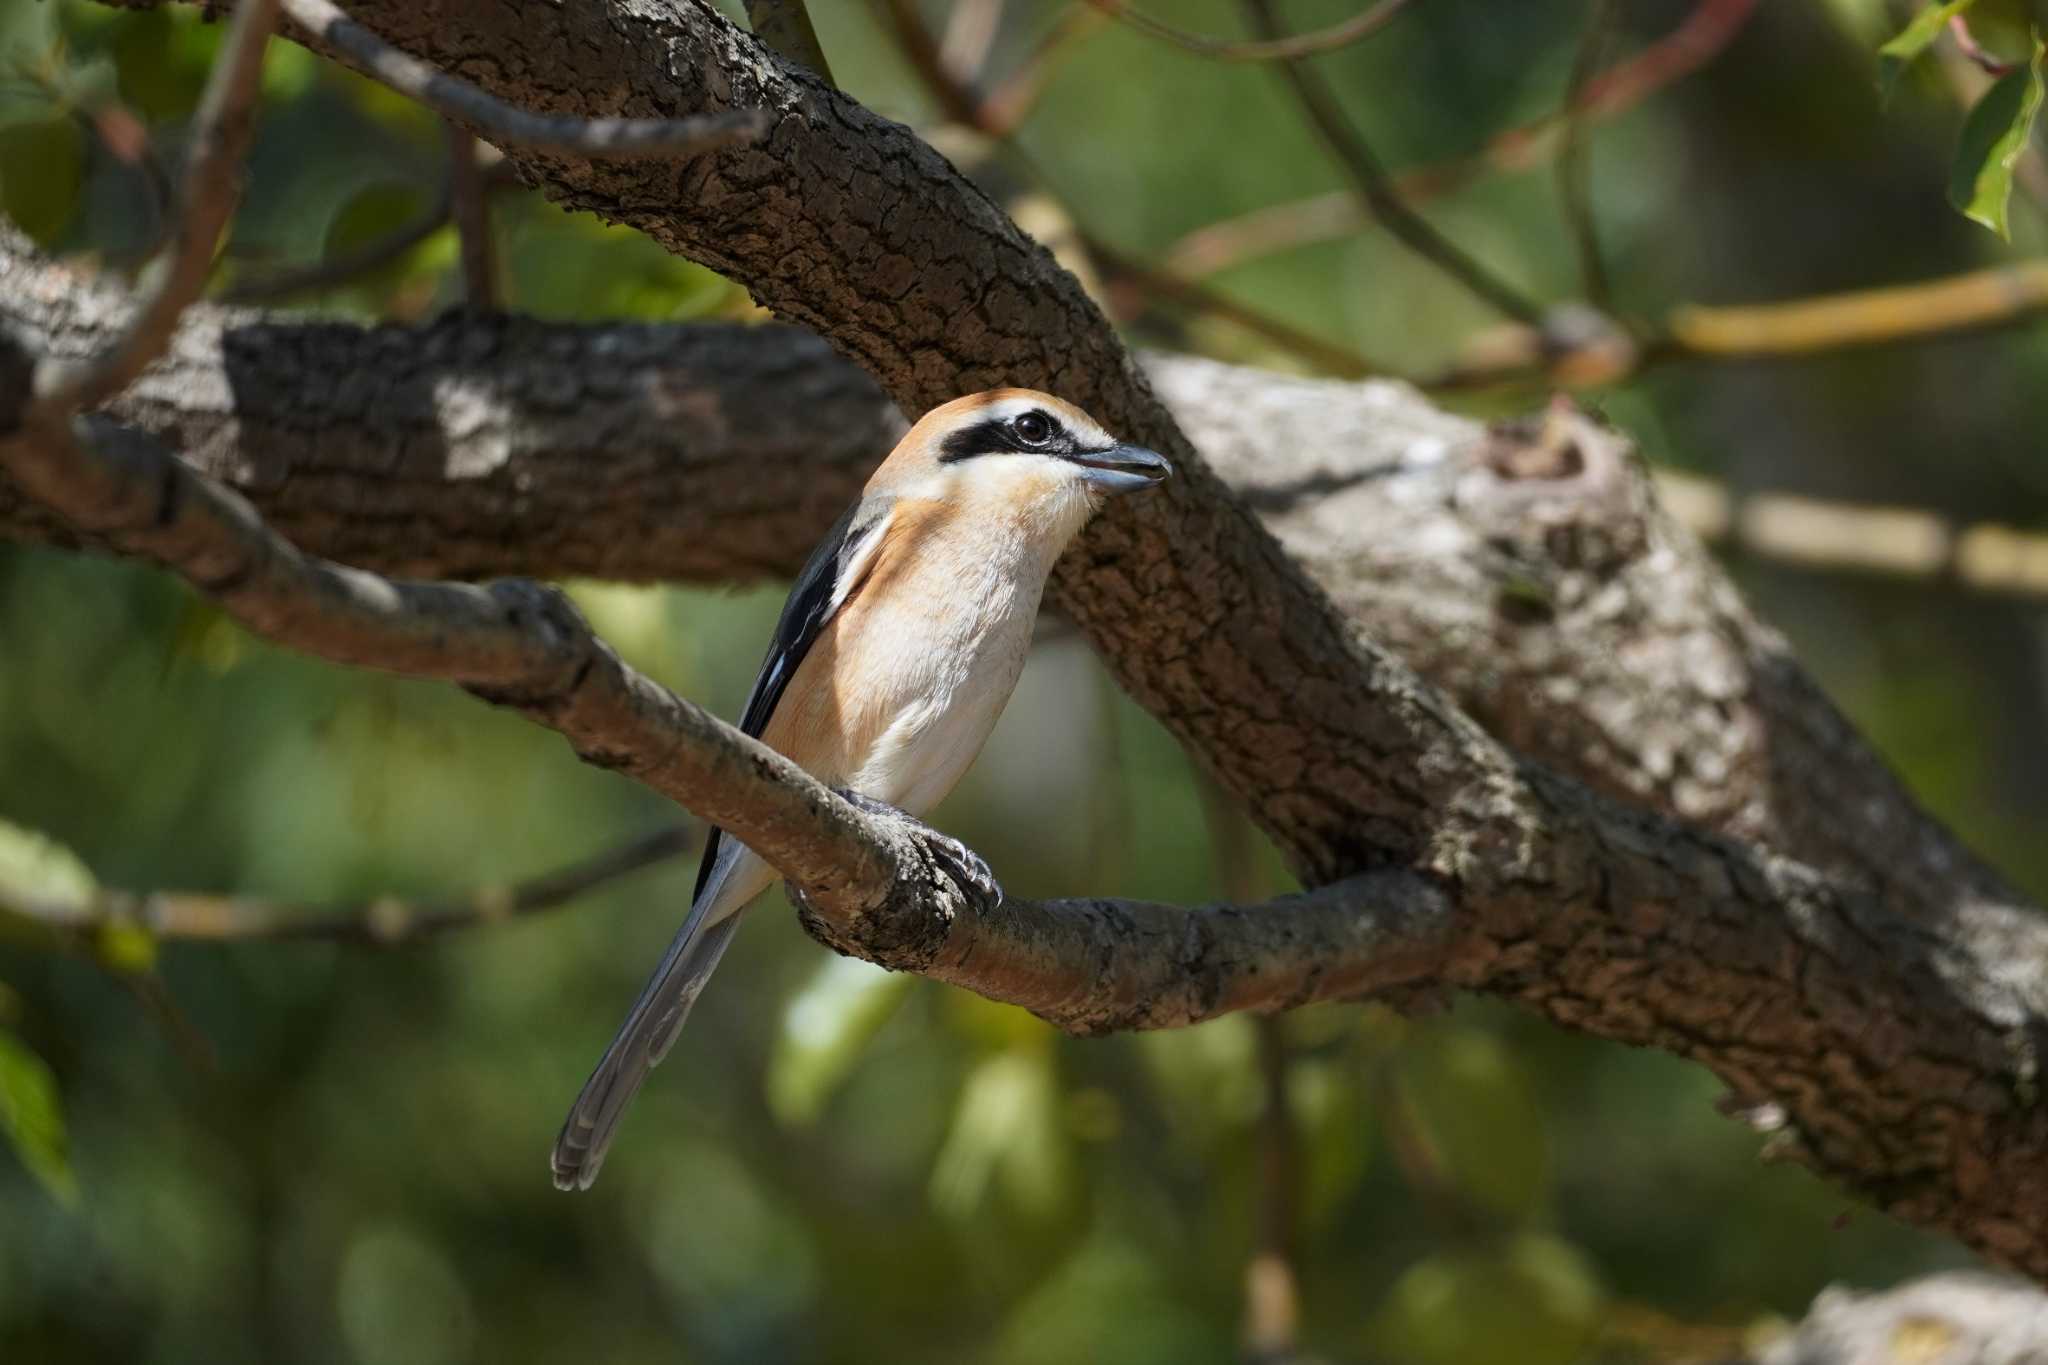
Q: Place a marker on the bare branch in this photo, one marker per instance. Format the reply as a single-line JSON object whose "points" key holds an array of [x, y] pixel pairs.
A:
{"points": [[1833, 1017], [1013, 98], [1707, 29], [469, 202], [1983, 58], [1376, 191], [1574, 166], [1993, 297], [1131, 286], [1359, 26], [867, 883], [785, 25], [385, 922], [282, 284], [1149, 283], [1272, 1278], [971, 29], [507, 125], [206, 195]]}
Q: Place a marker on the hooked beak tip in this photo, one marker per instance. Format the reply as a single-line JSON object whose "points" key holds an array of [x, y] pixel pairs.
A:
{"points": [[1123, 468]]}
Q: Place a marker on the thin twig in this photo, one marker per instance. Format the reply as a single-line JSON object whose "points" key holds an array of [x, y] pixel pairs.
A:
{"points": [[1272, 1278], [1369, 177], [338, 270], [1966, 42], [785, 25], [921, 50], [1328, 357], [495, 174], [1865, 317], [1272, 1275], [206, 196], [381, 923], [1707, 29], [1011, 102], [508, 125], [1270, 49], [1908, 544], [1574, 166], [970, 36], [469, 200], [1978, 300]]}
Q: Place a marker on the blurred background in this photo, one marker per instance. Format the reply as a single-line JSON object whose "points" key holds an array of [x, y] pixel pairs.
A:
{"points": [[327, 1153]]}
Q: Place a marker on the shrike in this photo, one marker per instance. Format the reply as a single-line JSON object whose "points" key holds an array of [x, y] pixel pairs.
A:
{"points": [[899, 646]]}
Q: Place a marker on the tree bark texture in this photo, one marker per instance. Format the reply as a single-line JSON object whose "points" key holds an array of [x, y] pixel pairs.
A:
{"points": [[1883, 1015]]}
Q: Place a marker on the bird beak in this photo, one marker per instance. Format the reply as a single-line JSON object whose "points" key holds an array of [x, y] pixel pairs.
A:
{"points": [[1122, 469]]}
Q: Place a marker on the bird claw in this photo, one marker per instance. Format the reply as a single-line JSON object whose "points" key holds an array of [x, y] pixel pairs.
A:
{"points": [[965, 866], [962, 863]]}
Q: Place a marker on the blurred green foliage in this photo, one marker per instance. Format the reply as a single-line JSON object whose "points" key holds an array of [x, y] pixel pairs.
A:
{"points": [[841, 1165]]}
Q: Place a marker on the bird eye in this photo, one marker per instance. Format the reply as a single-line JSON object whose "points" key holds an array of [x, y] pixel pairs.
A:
{"points": [[1034, 428]]}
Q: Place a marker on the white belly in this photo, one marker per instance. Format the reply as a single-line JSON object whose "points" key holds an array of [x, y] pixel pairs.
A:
{"points": [[945, 712]]}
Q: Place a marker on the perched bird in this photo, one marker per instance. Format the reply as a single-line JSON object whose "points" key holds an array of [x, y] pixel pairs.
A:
{"points": [[900, 644]]}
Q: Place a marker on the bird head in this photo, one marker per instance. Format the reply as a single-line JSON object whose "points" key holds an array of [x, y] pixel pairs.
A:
{"points": [[1020, 455]]}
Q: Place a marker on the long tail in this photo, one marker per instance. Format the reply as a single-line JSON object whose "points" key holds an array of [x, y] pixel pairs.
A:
{"points": [[646, 1036]]}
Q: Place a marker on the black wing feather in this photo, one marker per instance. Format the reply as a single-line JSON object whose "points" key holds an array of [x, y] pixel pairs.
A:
{"points": [[803, 617]]}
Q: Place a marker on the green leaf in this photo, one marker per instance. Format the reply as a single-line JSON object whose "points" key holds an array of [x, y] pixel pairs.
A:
{"points": [[1994, 137], [32, 1119], [1914, 39], [33, 865], [1532, 1301], [202, 634], [1479, 1118], [824, 1031], [1007, 1133], [42, 166]]}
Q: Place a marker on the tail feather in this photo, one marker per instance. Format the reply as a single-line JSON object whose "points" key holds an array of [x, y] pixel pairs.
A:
{"points": [[643, 1040]]}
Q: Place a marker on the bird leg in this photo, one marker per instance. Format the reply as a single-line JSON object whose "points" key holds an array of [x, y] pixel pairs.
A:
{"points": [[961, 863]]}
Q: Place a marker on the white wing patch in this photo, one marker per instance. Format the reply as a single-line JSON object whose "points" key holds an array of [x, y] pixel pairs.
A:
{"points": [[854, 568]]}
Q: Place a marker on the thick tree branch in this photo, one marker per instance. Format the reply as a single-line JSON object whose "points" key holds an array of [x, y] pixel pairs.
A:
{"points": [[1897, 1053], [868, 883], [1533, 577], [1599, 916], [508, 125]]}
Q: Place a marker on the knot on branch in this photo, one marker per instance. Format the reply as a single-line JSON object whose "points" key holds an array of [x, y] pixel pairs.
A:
{"points": [[1559, 493]]}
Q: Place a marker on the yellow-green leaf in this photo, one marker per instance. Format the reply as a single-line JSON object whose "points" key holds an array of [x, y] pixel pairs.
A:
{"points": [[824, 1031], [1532, 1301], [32, 1118], [1994, 137], [1914, 39], [33, 865], [42, 166], [1006, 1132], [126, 947], [1474, 1110]]}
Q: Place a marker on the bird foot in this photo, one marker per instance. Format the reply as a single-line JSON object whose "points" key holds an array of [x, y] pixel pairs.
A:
{"points": [[962, 863]]}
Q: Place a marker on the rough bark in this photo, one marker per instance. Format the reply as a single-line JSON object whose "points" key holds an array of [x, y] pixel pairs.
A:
{"points": [[851, 225], [1530, 574], [1895, 1053], [1888, 1052]]}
